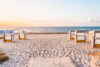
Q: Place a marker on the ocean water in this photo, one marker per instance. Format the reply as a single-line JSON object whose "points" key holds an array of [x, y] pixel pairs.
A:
{"points": [[56, 29]]}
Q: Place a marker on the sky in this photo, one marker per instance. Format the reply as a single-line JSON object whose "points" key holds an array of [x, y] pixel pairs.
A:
{"points": [[49, 13]]}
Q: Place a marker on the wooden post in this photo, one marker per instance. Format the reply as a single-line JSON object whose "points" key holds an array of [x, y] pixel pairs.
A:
{"points": [[69, 35], [75, 36]]}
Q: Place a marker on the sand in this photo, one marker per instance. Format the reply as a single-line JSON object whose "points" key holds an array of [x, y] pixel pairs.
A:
{"points": [[47, 50]]}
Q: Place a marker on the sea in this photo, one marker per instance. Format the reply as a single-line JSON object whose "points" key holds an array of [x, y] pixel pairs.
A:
{"points": [[49, 29], [57, 29]]}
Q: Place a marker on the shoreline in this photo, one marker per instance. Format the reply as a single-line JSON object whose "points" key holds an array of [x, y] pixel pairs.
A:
{"points": [[52, 33], [47, 33]]}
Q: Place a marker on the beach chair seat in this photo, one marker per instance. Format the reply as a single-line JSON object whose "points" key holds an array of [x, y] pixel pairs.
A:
{"points": [[21, 35], [8, 38], [80, 36], [71, 35]]}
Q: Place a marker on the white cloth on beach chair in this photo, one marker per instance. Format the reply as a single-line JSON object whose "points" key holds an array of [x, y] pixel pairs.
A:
{"points": [[97, 35], [8, 36], [97, 41], [97, 38], [80, 36], [21, 35], [72, 34]]}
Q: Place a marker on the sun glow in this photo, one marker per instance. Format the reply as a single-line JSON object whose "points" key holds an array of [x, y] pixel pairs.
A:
{"points": [[48, 12]]}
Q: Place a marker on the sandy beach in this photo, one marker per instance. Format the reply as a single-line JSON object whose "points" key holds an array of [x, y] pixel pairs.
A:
{"points": [[47, 50]]}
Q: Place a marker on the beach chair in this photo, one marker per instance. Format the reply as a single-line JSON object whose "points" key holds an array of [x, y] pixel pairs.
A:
{"points": [[1, 34], [95, 59], [71, 35], [23, 35], [3, 56], [95, 42], [80, 36], [8, 36]]}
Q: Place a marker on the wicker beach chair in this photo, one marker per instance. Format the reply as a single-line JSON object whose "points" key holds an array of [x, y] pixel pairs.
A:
{"points": [[95, 59], [95, 41], [22, 35], [3, 57], [8, 36], [80, 36], [71, 35]]}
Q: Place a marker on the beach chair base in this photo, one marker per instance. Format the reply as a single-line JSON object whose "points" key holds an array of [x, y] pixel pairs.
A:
{"points": [[7, 40], [80, 41], [22, 38], [96, 45], [71, 38], [1, 37]]}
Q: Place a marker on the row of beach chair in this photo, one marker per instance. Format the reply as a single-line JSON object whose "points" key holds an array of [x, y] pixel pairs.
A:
{"points": [[80, 36], [9, 36]]}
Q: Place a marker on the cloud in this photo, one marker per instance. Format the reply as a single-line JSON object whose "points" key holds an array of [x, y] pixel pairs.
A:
{"points": [[90, 21], [94, 19]]}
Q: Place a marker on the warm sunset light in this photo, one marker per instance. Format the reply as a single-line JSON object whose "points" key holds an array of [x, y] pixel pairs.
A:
{"points": [[49, 33], [41, 12]]}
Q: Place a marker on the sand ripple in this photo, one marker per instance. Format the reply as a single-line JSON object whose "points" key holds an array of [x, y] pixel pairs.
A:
{"points": [[48, 46]]}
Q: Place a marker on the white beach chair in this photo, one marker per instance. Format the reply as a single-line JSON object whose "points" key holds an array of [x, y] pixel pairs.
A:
{"points": [[71, 35], [80, 36], [1, 34], [8, 36], [95, 41], [90, 35], [22, 35]]}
